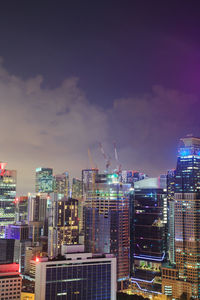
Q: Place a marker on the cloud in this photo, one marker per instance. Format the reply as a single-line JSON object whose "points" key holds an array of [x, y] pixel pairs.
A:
{"points": [[43, 127], [55, 127], [150, 125]]}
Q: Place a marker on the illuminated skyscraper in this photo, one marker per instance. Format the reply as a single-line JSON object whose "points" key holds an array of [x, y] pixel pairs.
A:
{"points": [[170, 199], [149, 236], [78, 194], [106, 218], [44, 180], [63, 223], [186, 223], [76, 188], [37, 215], [7, 197], [61, 184], [21, 209]]}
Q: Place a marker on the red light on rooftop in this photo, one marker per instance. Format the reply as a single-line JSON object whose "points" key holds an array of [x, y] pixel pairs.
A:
{"points": [[37, 259]]}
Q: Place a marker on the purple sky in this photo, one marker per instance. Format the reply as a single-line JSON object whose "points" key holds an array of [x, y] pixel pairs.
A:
{"points": [[73, 74]]}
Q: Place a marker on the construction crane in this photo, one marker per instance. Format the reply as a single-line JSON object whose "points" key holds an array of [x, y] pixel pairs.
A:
{"points": [[107, 159]]}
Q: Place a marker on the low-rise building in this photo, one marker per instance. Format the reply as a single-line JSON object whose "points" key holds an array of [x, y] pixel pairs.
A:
{"points": [[75, 276], [10, 282]]}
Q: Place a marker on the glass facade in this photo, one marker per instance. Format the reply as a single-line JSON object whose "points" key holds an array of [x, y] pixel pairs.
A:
{"points": [[44, 180], [84, 281], [61, 184], [187, 214], [63, 223], [7, 197], [107, 218], [170, 199], [149, 238]]}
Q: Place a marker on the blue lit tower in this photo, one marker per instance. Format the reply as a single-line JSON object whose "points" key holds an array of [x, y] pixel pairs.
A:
{"points": [[187, 214], [186, 224]]}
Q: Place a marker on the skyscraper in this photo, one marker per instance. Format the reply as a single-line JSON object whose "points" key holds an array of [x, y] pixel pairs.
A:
{"points": [[37, 215], [186, 223], [170, 199], [63, 223], [21, 209], [7, 196], [61, 184], [149, 236], [7, 247], [44, 180], [106, 218], [20, 234]]}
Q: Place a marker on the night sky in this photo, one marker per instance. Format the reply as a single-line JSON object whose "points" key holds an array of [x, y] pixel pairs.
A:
{"points": [[76, 73]]}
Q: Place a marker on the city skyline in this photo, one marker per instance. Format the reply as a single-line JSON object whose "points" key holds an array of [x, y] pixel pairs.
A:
{"points": [[66, 85]]}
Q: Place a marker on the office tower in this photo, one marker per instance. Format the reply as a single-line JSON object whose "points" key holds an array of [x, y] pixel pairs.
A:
{"points": [[7, 197], [20, 234], [77, 276], [10, 281], [44, 180], [76, 188], [61, 184], [37, 215], [7, 247], [185, 279], [170, 199], [88, 176], [21, 209], [106, 218], [78, 194], [149, 237], [63, 223]]}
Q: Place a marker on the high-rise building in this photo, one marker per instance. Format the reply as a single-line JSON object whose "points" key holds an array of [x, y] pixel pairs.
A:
{"points": [[170, 199], [63, 223], [78, 194], [106, 218], [7, 247], [44, 180], [77, 276], [76, 188], [21, 209], [186, 224], [61, 184], [7, 197], [20, 234], [149, 237], [10, 282], [37, 215]]}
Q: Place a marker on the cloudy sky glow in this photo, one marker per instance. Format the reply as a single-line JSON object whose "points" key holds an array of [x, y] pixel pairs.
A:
{"points": [[71, 78]]}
